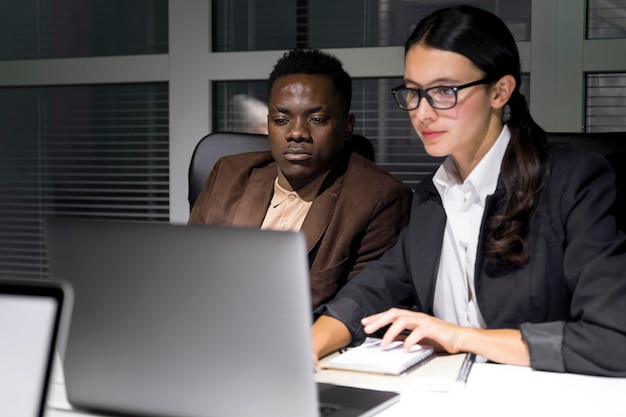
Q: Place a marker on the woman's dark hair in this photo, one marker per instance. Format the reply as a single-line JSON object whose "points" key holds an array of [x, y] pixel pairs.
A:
{"points": [[484, 39], [314, 62]]}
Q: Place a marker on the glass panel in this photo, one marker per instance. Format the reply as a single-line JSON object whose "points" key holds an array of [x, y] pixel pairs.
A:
{"points": [[240, 106], [253, 25], [398, 149], [606, 103], [87, 151], [82, 28], [606, 19]]}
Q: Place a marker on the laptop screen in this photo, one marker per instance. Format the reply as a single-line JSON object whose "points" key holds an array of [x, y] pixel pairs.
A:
{"points": [[29, 320], [185, 320], [190, 321]]}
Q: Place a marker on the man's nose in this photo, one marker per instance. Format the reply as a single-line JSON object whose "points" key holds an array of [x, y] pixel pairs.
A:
{"points": [[299, 130]]}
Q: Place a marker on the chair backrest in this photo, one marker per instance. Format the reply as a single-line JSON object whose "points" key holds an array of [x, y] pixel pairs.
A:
{"points": [[216, 145], [613, 146]]}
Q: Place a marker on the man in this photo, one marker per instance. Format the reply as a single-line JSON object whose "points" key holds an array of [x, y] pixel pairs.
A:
{"points": [[349, 209]]}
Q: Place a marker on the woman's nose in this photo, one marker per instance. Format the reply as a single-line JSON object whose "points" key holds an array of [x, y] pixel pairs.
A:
{"points": [[424, 112]]}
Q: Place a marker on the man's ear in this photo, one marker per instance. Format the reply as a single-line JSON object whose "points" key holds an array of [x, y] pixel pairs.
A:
{"points": [[350, 122], [502, 90]]}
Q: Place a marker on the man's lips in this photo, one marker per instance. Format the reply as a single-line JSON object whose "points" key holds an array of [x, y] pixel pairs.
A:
{"points": [[296, 154]]}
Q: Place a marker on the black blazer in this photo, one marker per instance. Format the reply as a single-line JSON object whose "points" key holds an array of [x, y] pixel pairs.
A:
{"points": [[569, 300]]}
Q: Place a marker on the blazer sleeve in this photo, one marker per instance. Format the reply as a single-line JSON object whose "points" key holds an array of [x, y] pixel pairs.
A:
{"points": [[227, 184], [382, 283], [593, 340], [203, 202]]}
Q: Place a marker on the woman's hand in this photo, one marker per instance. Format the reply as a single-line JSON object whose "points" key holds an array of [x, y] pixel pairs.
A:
{"points": [[424, 328], [497, 345]]}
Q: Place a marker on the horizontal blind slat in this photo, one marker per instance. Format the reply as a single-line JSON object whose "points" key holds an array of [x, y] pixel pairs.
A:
{"points": [[103, 156], [605, 102]]}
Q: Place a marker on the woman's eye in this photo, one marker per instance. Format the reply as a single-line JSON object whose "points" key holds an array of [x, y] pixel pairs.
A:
{"points": [[409, 94], [442, 91]]}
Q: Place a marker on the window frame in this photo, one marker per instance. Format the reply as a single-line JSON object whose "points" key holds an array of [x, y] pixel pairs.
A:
{"points": [[557, 65]]}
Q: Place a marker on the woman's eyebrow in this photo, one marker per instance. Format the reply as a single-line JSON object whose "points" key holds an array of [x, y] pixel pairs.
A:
{"points": [[435, 82]]}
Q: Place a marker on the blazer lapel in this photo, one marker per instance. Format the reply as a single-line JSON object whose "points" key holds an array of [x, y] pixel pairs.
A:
{"points": [[426, 240], [321, 212], [492, 269], [256, 195], [323, 207]]}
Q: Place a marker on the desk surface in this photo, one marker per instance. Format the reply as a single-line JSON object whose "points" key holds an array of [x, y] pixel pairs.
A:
{"points": [[493, 390]]}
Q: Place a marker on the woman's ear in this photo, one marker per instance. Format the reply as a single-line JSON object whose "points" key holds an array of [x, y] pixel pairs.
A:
{"points": [[502, 90]]}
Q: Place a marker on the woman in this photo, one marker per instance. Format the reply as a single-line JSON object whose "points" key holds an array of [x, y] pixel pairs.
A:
{"points": [[511, 252]]}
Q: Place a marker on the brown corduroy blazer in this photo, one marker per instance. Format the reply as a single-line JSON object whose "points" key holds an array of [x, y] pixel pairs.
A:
{"points": [[356, 216]]}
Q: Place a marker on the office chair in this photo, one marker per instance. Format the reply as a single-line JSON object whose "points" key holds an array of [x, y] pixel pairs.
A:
{"points": [[613, 146], [216, 145]]}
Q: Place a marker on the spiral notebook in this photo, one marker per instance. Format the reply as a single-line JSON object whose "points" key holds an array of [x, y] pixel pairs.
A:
{"points": [[371, 357]]}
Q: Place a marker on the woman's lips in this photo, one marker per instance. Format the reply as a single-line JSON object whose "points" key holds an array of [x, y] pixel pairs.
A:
{"points": [[431, 134]]}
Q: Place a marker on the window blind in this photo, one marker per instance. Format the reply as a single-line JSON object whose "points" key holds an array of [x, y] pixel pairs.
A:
{"points": [[606, 19], [82, 28], [86, 151], [606, 102], [398, 148], [256, 25]]}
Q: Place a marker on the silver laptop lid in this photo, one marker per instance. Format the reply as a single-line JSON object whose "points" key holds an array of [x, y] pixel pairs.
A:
{"points": [[185, 320], [30, 324]]}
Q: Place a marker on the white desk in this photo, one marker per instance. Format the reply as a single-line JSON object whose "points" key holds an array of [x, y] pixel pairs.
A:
{"points": [[491, 390], [502, 390]]}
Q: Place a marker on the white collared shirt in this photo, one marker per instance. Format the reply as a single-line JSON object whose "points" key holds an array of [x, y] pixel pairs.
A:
{"points": [[464, 204]]}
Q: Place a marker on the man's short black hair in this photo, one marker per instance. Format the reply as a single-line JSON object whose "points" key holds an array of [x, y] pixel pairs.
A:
{"points": [[314, 62]]}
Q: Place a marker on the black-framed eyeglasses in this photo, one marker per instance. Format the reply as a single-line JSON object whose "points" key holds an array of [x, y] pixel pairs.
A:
{"points": [[441, 97]]}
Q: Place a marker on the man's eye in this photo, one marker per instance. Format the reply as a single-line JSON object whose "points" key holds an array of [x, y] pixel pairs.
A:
{"points": [[318, 119], [280, 121]]}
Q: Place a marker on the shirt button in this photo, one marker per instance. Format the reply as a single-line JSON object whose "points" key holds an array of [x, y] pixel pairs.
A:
{"points": [[292, 197]]}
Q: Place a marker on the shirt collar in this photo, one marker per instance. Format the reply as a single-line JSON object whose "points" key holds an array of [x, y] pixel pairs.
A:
{"points": [[481, 179], [304, 194]]}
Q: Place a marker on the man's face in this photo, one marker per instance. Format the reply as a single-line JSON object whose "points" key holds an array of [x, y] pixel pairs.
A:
{"points": [[307, 128]]}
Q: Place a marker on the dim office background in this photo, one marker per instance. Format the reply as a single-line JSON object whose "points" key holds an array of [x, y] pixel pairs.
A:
{"points": [[103, 101]]}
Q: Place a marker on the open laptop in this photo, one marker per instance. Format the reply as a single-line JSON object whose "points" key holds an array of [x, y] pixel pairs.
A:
{"points": [[30, 324], [191, 321]]}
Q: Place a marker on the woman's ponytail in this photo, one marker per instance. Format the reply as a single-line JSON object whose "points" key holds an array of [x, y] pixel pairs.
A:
{"points": [[522, 173]]}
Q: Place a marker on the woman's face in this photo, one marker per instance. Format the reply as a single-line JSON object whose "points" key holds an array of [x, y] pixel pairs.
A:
{"points": [[465, 131]]}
